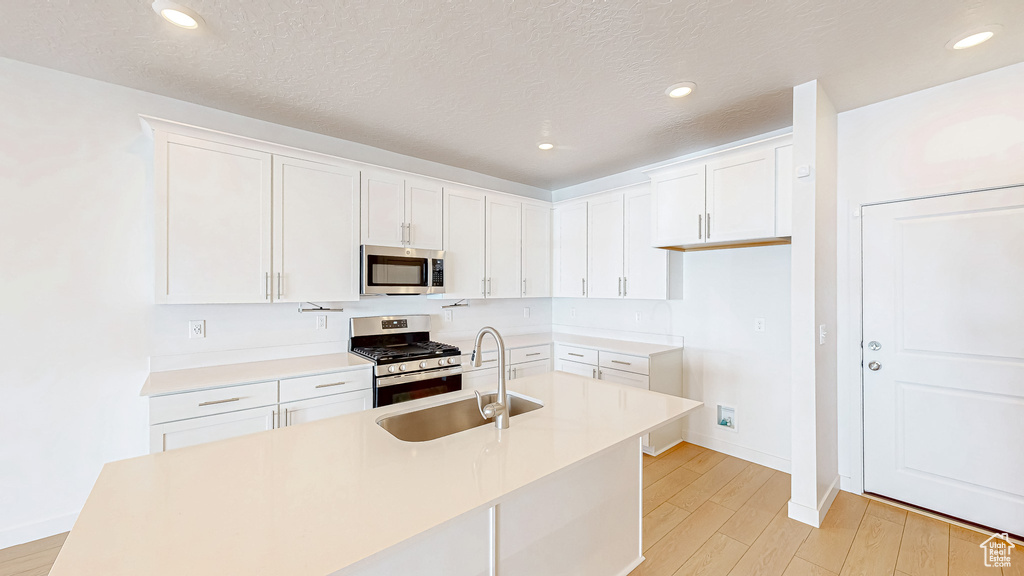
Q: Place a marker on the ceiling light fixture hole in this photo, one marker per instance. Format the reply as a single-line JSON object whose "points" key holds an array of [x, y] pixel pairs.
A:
{"points": [[973, 37], [681, 89], [180, 16]]}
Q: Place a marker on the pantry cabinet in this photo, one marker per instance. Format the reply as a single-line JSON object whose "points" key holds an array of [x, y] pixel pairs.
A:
{"points": [[570, 250], [400, 210], [739, 196]]}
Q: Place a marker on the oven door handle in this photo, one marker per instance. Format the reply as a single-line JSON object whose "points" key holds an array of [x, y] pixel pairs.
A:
{"points": [[385, 381]]}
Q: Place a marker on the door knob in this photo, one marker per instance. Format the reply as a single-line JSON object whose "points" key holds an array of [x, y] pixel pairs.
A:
{"points": [[874, 345], [874, 366]]}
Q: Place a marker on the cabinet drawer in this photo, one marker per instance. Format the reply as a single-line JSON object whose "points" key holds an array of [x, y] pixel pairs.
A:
{"points": [[325, 384], [529, 369], [310, 410], [182, 433], [207, 402], [489, 360], [531, 354], [635, 364], [627, 378], [587, 370], [574, 354]]}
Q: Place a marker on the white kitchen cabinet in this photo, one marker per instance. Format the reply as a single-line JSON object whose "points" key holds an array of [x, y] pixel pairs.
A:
{"points": [[622, 377], [644, 269], [677, 212], [182, 433], [578, 368], [316, 231], [213, 221], [536, 251], [504, 248], [465, 252], [570, 244], [741, 196], [400, 211], [529, 369], [301, 411], [605, 246]]}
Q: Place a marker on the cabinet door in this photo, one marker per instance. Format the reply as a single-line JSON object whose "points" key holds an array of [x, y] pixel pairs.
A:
{"points": [[213, 222], [504, 248], [678, 207], [423, 214], [383, 208], [316, 231], [627, 378], [303, 411], [741, 196], [645, 269], [588, 370], [570, 238], [464, 243], [205, 429], [529, 369], [486, 379], [536, 251], [604, 247]]}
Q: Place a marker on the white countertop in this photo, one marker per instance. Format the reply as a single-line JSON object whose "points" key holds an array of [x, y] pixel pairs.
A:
{"points": [[173, 381], [314, 498], [611, 345]]}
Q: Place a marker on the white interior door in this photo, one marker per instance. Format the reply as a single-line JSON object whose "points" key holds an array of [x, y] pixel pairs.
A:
{"points": [[570, 241], [464, 249], [944, 386], [383, 208], [423, 214], [504, 248], [316, 231], [645, 269], [536, 251], [605, 247], [678, 212]]}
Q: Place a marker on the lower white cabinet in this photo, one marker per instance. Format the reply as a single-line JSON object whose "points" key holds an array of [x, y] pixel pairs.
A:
{"points": [[578, 368], [182, 433], [302, 411], [529, 369]]}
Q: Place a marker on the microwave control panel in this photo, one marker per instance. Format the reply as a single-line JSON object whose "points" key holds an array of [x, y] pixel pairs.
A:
{"points": [[437, 275]]}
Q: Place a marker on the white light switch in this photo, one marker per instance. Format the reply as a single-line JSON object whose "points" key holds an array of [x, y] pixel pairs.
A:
{"points": [[803, 171], [758, 324], [821, 335], [526, 312]]}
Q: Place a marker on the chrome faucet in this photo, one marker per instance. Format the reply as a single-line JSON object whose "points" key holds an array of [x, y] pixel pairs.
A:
{"points": [[499, 408]]}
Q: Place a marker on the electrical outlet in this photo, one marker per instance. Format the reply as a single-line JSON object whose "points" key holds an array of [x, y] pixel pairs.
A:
{"points": [[639, 317], [821, 335], [758, 324], [449, 315], [197, 328], [572, 312], [526, 312], [321, 322]]}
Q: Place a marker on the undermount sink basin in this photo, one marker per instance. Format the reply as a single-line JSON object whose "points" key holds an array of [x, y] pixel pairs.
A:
{"points": [[439, 421]]}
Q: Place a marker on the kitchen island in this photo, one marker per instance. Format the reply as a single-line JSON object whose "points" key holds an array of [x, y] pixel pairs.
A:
{"points": [[559, 492]]}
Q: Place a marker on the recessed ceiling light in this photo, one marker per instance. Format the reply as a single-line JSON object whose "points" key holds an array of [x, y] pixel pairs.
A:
{"points": [[681, 89], [177, 14], [974, 37], [545, 145]]}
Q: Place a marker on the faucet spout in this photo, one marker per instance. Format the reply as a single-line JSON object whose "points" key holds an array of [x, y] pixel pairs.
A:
{"points": [[499, 408]]}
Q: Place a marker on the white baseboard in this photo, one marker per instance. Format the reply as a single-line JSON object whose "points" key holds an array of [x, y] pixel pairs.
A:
{"points": [[737, 451], [848, 484], [29, 532], [811, 516], [663, 449], [632, 566]]}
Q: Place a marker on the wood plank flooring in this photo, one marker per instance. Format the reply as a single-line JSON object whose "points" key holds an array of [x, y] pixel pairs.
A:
{"points": [[714, 515], [708, 514]]}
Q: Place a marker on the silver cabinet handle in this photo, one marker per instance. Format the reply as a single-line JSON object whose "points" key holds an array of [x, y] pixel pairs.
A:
{"points": [[329, 385], [513, 373], [575, 354], [272, 420], [709, 226], [401, 233], [212, 402], [488, 286], [408, 234], [593, 373], [266, 284], [483, 290], [620, 285], [533, 354], [700, 226], [524, 285], [584, 286], [280, 287], [625, 286], [621, 362]]}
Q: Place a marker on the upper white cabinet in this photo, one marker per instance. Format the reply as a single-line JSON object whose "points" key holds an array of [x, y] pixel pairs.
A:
{"points": [[569, 238], [621, 261], [536, 251], [605, 246], [737, 196], [316, 231], [504, 248], [465, 256], [400, 210], [213, 221]]}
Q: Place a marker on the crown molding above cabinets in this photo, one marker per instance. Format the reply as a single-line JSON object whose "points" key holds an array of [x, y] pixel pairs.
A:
{"points": [[739, 197]]}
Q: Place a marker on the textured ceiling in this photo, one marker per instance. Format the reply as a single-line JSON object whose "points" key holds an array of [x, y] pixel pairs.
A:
{"points": [[478, 83]]}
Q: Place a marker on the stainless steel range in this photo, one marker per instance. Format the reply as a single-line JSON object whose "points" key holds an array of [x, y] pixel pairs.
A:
{"points": [[408, 364]]}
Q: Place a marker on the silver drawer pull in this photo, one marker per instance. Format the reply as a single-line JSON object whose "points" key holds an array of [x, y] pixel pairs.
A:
{"points": [[533, 354], [486, 361], [575, 354], [621, 362], [212, 402], [329, 385]]}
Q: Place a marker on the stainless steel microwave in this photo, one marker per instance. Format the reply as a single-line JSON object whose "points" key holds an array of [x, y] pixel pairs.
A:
{"points": [[388, 270]]}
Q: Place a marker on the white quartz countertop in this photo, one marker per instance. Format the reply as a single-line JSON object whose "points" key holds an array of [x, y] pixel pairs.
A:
{"points": [[317, 497], [173, 381], [612, 345]]}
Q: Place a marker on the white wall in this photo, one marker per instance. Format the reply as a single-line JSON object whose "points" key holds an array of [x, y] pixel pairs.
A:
{"points": [[715, 297], [965, 135], [76, 285]]}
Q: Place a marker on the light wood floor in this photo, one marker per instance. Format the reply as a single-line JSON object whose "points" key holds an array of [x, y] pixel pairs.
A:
{"points": [[709, 514]]}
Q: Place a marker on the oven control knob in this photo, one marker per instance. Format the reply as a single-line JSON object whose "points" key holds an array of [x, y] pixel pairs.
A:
{"points": [[440, 361], [402, 368], [391, 368], [451, 360], [423, 364]]}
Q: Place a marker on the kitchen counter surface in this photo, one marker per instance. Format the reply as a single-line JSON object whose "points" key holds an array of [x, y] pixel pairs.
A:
{"points": [[174, 381], [317, 497], [525, 340]]}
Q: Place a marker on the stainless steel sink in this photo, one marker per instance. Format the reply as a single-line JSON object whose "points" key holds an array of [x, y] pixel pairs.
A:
{"points": [[438, 421]]}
